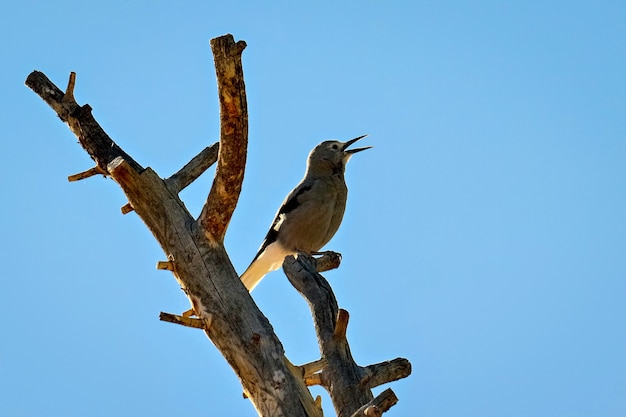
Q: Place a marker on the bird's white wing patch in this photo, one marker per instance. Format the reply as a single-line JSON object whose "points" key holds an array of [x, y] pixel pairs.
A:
{"points": [[279, 221]]}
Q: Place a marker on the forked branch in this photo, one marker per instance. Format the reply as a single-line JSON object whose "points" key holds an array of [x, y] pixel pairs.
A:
{"points": [[348, 384], [198, 260]]}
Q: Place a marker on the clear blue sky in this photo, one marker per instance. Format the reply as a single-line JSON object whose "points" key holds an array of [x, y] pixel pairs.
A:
{"points": [[485, 234]]}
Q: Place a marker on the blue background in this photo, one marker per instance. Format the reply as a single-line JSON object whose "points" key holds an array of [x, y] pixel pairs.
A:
{"points": [[485, 234]]}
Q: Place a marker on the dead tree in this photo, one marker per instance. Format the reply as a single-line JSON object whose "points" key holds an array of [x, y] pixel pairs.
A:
{"points": [[220, 305]]}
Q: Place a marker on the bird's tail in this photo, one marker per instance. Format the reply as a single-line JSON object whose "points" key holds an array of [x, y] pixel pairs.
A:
{"points": [[254, 274], [270, 259]]}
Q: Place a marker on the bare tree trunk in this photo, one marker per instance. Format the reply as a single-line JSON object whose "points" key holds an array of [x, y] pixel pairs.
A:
{"points": [[196, 256]]}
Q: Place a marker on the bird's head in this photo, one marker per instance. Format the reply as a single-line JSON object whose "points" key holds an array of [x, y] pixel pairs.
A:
{"points": [[331, 157]]}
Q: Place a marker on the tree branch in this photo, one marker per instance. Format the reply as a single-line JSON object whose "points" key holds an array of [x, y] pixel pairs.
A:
{"points": [[91, 136], [347, 383], [384, 372], [86, 174], [184, 321], [238, 329], [224, 194], [329, 260], [194, 168], [342, 375], [198, 260], [375, 408]]}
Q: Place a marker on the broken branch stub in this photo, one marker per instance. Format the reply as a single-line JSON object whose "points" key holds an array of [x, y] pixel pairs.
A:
{"points": [[193, 169]]}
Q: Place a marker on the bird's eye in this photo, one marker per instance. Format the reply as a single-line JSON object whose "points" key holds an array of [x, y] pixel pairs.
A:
{"points": [[335, 146]]}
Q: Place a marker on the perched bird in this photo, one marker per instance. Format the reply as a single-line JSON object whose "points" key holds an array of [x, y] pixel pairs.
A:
{"points": [[311, 213]]}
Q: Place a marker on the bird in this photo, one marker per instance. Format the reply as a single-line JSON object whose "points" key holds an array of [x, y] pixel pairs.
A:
{"points": [[311, 213]]}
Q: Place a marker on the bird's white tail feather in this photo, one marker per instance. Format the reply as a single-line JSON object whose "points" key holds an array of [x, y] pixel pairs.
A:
{"points": [[269, 260]]}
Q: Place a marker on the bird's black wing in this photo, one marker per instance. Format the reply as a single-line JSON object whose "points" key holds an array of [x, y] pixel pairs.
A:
{"points": [[293, 200]]}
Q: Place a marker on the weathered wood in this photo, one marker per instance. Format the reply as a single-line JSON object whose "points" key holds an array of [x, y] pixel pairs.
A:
{"points": [[238, 329], [384, 372], [165, 265], [184, 321], [310, 368], [80, 120], [311, 380], [193, 169], [224, 194], [341, 377], [126, 208], [327, 261], [86, 174], [375, 408], [341, 325], [220, 304], [347, 383]]}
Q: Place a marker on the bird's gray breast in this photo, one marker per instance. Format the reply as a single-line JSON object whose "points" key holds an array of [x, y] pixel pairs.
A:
{"points": [[315, 215]]}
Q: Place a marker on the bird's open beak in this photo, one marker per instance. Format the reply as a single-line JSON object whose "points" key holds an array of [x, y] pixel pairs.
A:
{"points": [[350, 142]]}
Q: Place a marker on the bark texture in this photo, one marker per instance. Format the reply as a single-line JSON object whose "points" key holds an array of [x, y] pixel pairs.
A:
{"points": [[220, 304], [231, 161], [348, 384]]}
